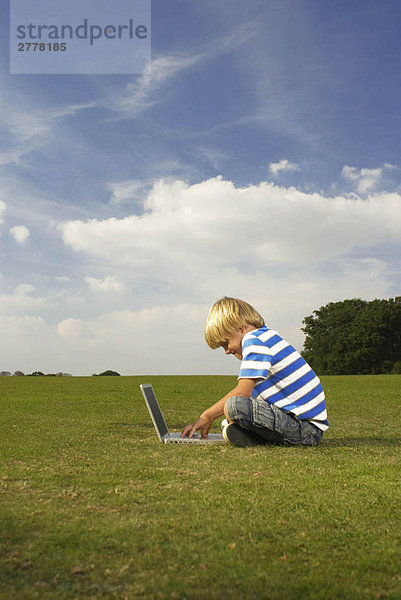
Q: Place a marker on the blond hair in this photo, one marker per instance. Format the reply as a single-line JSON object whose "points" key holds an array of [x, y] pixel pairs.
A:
{"points": [[226, 316]]}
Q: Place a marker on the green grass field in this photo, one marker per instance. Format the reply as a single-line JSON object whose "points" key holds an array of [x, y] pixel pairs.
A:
{"points": [[93, 506]]}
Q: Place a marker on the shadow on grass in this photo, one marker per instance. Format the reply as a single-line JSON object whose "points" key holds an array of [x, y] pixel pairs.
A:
{"points": [[350, 442], [361, 441]]}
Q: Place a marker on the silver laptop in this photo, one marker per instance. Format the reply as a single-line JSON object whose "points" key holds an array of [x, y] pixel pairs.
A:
{"points": [[161, 427]]}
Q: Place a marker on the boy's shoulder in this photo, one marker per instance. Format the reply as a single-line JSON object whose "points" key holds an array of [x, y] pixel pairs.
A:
{"points": [[264, 336]]}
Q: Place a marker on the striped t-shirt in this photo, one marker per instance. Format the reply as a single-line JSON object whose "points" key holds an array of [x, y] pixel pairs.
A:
{"points": [[284, 378]]}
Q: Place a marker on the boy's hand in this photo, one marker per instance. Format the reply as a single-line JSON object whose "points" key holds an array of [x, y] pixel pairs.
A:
{"points": [[203, 423]]}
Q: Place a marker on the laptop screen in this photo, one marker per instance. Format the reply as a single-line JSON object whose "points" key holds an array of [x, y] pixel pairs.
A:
{"points": [[154, 409]]}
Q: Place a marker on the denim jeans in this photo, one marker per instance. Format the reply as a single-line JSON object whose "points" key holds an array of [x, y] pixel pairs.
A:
{"points": [[272, 424]]}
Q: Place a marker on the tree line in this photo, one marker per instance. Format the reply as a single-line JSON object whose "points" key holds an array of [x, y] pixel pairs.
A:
{"points": [[40, 374], [34, 374], [354, 337]]}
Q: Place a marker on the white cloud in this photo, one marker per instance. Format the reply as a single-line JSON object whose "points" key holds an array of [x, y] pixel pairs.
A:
{"points": [[21, 300], [128, 190], [15, 326], [122, 340], [285, 251], [22, 336], [214, 156], [186, 228], [364, 179], [168, 339], [26, 125], [144, 92], [2, 210], [109, 284], [283, 165], [73, 329], [23, 289], [20, 233], [125, 340], [141, 93], [30, 129]]}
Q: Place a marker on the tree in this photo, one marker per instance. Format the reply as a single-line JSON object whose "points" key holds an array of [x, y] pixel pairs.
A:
{"points": [[107, 373], [354, 337]]}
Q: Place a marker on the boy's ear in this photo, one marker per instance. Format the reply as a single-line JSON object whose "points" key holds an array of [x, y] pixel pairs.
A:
{"points": [[245, 328]]}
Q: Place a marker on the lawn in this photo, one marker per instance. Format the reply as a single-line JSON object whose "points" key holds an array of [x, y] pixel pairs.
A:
{"points": [[93, 506]]}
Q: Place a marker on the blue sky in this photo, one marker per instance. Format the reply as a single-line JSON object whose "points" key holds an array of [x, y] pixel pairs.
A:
{"points": [[257, 156]]}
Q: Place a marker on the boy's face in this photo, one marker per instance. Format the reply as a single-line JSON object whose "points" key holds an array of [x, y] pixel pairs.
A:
{"points": [[233, 342]]}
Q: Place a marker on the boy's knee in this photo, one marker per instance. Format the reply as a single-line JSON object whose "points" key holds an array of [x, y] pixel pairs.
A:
{"points": [[237, 409], [230, 410]]}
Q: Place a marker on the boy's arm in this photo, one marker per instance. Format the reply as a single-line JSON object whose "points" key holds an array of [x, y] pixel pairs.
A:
{"points": [[205, 421]]}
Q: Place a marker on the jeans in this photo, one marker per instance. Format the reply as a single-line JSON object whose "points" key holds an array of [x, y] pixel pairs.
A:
{"points": [[272, 424]]}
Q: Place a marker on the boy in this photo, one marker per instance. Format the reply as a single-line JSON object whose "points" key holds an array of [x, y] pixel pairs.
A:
{"points": [[278, 399]]}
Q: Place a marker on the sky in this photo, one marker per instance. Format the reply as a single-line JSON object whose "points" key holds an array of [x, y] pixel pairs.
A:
{"points": [[257, 156]]}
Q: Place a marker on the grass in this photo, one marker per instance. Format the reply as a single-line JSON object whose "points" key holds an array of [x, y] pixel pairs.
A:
{"points": [[93, 506]]}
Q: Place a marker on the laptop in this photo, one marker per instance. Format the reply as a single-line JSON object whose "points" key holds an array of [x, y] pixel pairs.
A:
{"points": [[161, 427]]}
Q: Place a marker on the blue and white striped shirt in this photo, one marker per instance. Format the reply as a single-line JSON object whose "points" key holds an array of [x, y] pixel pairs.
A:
{"points": [[284, 378]]}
